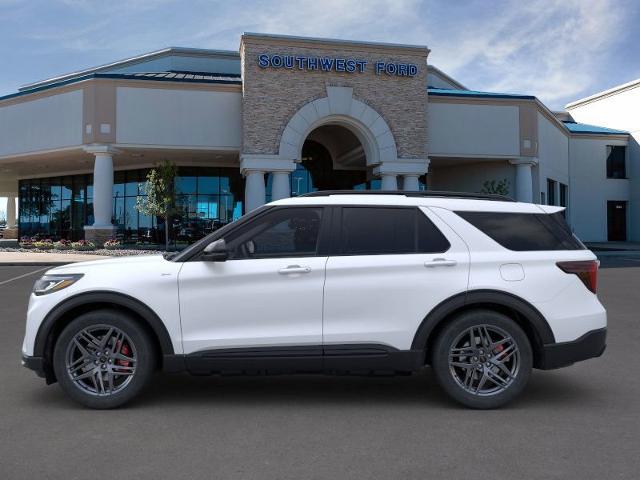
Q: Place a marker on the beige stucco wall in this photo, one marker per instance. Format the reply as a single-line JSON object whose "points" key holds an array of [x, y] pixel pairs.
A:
{"points": [[272, 96], [50, 122]]}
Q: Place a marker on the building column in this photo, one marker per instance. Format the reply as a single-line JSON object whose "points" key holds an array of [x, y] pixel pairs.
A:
{"points": [[524, 178], [254, 190], [10, 233], [280, 187], [11, 212], [253, 166], [410, 183], [389, 181], [102, 228], [409, 169]]}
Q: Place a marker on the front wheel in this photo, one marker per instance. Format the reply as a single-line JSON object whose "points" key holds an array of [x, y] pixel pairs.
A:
{"points": [[482, 359], [103, 359]]}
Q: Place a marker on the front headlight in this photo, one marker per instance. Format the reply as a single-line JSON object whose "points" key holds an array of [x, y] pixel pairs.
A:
{"points": [[53, 283]]}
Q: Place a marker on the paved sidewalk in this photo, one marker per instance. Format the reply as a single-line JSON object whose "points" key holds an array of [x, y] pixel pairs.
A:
{"points": [[36, 259]]}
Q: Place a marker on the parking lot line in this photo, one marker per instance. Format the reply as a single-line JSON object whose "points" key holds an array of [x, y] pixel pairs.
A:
{"points": [[24, 275]]}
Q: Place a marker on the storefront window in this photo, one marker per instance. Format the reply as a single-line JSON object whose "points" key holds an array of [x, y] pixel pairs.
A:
{"points": [[60, 207]]}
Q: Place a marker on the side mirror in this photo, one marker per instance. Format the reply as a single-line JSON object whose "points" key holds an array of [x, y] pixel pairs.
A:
{"points": [[216, 251]]}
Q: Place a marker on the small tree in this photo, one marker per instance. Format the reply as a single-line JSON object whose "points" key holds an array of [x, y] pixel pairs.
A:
{"points": [[160, 200], [500, 187]]}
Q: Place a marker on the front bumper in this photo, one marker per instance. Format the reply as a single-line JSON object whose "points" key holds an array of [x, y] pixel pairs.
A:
{"points": [[590, 345], [34, 363]]}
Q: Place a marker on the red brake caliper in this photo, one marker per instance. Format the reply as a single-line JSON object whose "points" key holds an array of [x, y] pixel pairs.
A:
{"points": [[125, 350]]}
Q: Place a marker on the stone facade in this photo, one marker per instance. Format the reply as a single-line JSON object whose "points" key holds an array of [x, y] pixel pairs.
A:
{"points": [[98, 235], [10, 233], [272, 96]]}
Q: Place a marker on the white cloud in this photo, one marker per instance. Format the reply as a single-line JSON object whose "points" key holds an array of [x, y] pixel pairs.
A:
{"points": [[553, 49]]}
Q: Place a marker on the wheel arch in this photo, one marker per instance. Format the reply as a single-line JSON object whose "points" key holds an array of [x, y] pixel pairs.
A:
{"points": [[62, 314], [522, 312]]}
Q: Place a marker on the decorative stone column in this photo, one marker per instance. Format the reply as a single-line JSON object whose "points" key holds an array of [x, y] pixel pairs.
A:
{"points": [[254, 167], [524, 178], [389, 181], [102, 228], [280, 187], [409, 169], [11, 231], [411, 183], [254, 190]]}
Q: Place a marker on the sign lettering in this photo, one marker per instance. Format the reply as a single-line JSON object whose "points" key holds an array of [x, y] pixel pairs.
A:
{"points": [[331, 64]]}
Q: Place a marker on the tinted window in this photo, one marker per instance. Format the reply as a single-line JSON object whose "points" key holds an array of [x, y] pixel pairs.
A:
{"points": [[616, 164], [551, 191], [290, 232], [430, 239], [525, 231], [376, 231]]}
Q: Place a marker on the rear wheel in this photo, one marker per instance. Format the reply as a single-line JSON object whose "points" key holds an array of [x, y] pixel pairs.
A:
{"points": [[103, 359], [482, 359]]}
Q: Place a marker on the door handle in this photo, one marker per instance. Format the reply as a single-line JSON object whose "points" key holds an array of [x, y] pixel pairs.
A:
{"points": [[294, 269], [440, 262]]}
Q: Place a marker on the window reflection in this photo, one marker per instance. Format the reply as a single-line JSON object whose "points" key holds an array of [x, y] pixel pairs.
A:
{"points": [[59, 207]]}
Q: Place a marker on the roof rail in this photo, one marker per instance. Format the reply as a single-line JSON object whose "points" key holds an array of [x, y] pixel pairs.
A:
{"points": [[423, 193]]}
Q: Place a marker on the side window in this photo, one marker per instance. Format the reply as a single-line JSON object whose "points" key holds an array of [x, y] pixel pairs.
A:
{"points": [[430, 239], [525, 231], [380, 231], [286, 232]]}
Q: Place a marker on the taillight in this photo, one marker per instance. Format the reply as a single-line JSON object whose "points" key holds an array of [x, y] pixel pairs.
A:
{"points": [[587, 271]]}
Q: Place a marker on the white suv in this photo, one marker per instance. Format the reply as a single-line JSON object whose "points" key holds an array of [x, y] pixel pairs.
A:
{"points": [[480, 288]]}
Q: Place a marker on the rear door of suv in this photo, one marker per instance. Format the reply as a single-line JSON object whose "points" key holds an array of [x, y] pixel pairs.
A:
{"points": [[389, 266]]}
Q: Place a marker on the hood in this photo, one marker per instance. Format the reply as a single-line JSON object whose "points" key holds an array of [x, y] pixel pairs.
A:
{"points": [[108, 262]]}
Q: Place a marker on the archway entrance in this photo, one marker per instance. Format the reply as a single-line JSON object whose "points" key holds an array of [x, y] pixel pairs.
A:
{"points": [[332, 158]]}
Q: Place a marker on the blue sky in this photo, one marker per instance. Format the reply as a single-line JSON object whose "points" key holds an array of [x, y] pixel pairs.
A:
{"points": [[557, 50]]}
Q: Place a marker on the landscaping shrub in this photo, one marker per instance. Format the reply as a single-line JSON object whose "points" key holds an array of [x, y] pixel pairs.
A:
{"points": [[83, 245]]}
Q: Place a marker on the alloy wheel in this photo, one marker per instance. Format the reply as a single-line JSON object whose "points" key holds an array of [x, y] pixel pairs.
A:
{"points": [[101, 360], [484, 360]]}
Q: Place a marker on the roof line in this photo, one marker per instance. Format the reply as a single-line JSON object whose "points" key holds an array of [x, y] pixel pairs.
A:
{"points": [[445, 92], [333, 40], [446, 76], [120, 76], [129, 61], [597, 130], [604, 93]]}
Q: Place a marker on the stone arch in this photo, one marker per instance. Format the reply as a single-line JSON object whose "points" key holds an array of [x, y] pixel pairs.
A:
{"points": [[340, 108]]}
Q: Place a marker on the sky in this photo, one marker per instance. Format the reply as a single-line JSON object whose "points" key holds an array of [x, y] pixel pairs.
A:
{"points": [[558, 50]]}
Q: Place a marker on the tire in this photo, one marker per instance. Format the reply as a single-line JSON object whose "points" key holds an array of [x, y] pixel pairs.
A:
{"points": [[474, 378], [103, 377]]}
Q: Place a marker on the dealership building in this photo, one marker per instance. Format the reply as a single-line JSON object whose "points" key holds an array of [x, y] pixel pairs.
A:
{"points": [[287, 115]]}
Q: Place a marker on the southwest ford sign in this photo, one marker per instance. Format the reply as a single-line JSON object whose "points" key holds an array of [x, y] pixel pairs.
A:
{"points": [[334, 64]]}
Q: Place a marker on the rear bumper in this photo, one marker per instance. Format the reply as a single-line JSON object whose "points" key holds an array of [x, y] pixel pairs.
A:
{"points": [[590, 345], [34, 363]]}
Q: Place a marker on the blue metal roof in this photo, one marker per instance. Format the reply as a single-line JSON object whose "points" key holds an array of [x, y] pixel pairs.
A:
{"points": [[575, 127], [188, 77], [446, 92]]}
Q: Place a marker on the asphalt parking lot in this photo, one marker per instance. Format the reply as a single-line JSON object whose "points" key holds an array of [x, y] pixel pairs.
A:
{"points": [[582, 422]]}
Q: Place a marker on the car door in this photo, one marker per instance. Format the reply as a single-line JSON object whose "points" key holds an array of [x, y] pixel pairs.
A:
{"points": [[392, 265], [267, 294]]}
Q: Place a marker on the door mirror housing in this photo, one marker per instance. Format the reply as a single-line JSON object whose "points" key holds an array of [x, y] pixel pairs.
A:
{"points": [[216, 251]]}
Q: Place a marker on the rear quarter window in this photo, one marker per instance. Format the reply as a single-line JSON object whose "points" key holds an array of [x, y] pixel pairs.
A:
{"points": [[525, 231]]}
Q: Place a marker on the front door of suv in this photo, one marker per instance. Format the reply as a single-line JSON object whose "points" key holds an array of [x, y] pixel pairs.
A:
{"points": [[267, 294], [392, 266]]}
